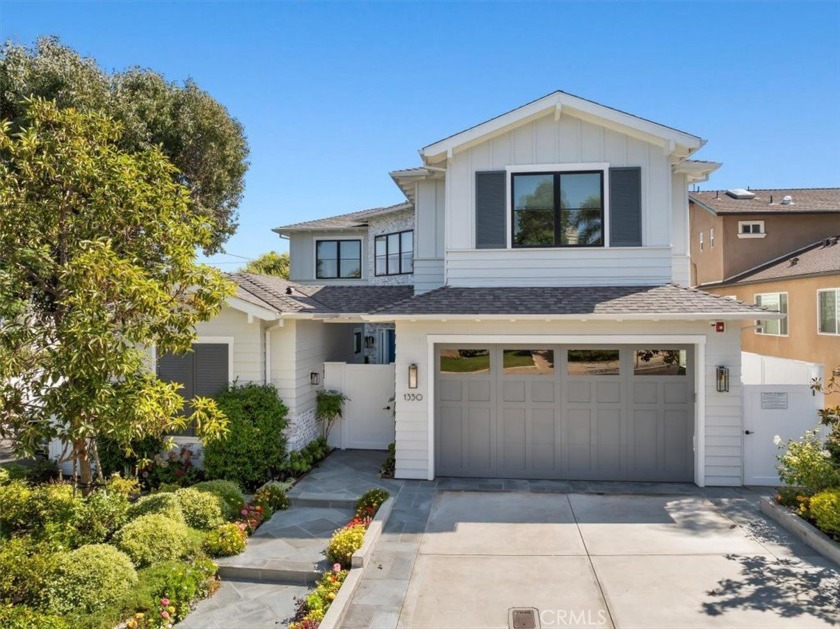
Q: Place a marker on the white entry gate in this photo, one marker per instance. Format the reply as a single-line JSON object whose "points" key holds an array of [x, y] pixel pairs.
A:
{"points": [[368, 422], [778, 401]]}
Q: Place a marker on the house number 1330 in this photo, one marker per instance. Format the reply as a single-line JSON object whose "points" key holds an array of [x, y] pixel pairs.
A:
{"points": [[413, 397]]}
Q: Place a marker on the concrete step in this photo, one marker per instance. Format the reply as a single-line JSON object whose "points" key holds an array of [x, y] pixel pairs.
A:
{"points": [[289, 548], [327, 501]]}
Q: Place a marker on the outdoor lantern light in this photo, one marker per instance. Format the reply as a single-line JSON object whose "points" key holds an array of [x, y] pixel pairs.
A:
{"points": [[412, 376], [722, 374], [314, 377]]}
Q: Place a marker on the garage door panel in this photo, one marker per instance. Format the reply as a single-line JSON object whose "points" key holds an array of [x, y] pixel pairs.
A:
{"points": [[450, 438], [608, 442], [542, 392], [450, 391], [479, 391], [675, 392], [513, 391], [545, 442], [677, 439], [515, 439], [579, 437], [644, 442], [645, 393], [480, 439], [608, 392], [579, 392]]}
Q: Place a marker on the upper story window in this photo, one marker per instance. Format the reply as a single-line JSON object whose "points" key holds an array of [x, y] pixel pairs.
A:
{"points": [[828, 311], [712, 238], [338, 259], [701, 241], [394, 253], [773, 301], [751, 229], [558, 209]]}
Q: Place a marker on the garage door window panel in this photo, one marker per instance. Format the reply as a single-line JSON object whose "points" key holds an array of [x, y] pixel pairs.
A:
{"points": [[528, 362], [659, 362], [593, 362], [465, 361]]}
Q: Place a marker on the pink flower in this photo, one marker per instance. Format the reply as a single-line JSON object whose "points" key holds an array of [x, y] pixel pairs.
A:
{"points": [[164, 602], [164, 614], [336, 567], [244, 511]]}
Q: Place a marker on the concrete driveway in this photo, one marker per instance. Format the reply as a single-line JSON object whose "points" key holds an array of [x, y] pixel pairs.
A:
{"points": [[594, 561]]}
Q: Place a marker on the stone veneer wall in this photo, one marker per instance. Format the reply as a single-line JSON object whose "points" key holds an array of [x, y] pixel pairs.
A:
{"points": [[302, 429], [388, 224]]}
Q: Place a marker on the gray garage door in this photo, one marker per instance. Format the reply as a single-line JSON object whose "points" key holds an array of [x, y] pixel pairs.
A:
{"points": [[565, 412]]}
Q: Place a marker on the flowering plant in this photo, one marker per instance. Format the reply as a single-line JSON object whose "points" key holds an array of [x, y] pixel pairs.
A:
{"points": [[251, 518], [311, 609]]}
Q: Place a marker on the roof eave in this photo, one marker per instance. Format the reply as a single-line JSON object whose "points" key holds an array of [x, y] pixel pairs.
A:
{"points": [[665, 316]]}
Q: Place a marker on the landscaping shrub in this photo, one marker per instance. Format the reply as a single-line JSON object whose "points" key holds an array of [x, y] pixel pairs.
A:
{"points": [[226, 540], [389, 465], [166, 505], [90, 579], [228, 491], [25, 569], [42, 471], [4, 476], [368, 504], [311, 609], [152, 538], [128, 487], [17, 506], [113, 458], [202, 509], [100, 515], [825, 510], [271, 497], [344, 543], [57, 510], [254, 449], [22, 617], [807, 464]]}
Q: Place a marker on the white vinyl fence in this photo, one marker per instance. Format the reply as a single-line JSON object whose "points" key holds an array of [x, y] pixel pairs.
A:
{"points": [[368, 421]]}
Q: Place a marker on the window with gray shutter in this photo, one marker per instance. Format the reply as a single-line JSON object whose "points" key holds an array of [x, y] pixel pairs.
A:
{"points": [[490, 210], [626, 207], [202, 372]]}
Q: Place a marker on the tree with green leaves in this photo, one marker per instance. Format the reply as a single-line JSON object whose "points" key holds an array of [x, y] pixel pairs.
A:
{"points": [[271, 263], [205, 143], [97, 264]]}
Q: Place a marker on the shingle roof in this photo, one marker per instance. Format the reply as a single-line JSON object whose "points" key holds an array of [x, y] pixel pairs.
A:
{"points": [[804, 200], [572, 300], [305, 298], [819, 258], [344, 221]]}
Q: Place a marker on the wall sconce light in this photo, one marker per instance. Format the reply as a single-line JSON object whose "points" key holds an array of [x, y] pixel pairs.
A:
{"points": [[722, 379], [370, 342], [314, 378], [412, 376]]}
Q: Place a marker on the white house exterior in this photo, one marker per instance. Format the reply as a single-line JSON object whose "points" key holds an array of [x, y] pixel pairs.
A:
{"points": [[530, 291]]}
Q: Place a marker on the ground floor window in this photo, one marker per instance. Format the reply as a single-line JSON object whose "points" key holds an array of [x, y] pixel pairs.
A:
{"points": [[772, 301], [828, 310]]}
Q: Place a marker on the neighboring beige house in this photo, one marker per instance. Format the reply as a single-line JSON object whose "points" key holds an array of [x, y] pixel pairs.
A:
{"points": [[805, 286], [733, 231]]}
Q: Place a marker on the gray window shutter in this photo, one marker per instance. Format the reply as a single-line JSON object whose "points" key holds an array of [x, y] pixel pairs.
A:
{"points": [[211, 368], [172, 368], [626, 207], [490, 208]]}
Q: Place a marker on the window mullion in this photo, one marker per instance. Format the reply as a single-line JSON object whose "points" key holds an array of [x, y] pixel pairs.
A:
{"points": [[557, 218]]}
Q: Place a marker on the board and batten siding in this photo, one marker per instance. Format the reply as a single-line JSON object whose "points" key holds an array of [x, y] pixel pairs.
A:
{"points": [[723, 424], [248, 356], [429, 235], [572, 141], [302, 256]]}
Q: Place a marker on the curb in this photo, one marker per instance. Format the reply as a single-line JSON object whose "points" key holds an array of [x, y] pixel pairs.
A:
{"points": [[335, 614], [801, 529], [269, 575]]}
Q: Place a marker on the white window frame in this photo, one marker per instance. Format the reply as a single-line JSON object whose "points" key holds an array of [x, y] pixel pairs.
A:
{"points": [[711, 238], [836, 292], [362, 260], [760, 234], [786, 318], [566, 168], [701, 241]]}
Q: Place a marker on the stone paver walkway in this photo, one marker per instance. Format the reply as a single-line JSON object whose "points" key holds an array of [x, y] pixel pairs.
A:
{"points": [[242, 605]]}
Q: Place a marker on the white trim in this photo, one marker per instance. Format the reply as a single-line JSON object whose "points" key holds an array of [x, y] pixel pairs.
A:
{"points": [[362, 238], [759, 234], [553, 168], [836, 311], [697, 340], [752, 235], [783, 315], [226, 340], [252, 310], [630, 316]]}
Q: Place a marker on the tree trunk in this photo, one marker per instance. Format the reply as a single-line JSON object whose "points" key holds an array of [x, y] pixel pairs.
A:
{"points": [[83, 458]]}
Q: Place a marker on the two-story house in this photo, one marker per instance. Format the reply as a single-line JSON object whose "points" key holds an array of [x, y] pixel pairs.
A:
{"points": [[777, 248], [531, 292]]}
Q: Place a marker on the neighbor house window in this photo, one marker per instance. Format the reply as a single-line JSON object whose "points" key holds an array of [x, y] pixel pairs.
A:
{"points": [[751, 229], [773, 301], [701, 241], [338, 259], [828, 310], [394, 253], [712, 238], [561, 209]]}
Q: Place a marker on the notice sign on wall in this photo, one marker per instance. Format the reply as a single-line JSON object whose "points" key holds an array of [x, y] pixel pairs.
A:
{"points": [[774, 401]]}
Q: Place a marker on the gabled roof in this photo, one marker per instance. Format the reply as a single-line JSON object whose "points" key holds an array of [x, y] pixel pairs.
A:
{"points": [[287, 297], [579, 302], [769, 201], [563, 103], [819, 258], [352, 220]]}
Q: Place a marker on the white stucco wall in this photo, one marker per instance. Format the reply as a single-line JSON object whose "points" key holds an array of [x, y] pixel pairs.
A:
{"points": [[723, 430]]}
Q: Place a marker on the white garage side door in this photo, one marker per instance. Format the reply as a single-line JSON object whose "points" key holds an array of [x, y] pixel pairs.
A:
{"points": [[565, 412]]}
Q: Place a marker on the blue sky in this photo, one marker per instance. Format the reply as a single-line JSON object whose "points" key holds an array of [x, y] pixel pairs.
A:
{"points": [[334, 95]]}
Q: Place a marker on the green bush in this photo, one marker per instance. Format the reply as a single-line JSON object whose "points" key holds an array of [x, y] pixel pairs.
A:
{"points": [[100, 515], [202, 509], [160, 504], [228, 491], [57, 508], [152, 538], [807, 464], [368, 504], [90, 579], [26, 566], [18, 509], [254, 449], [226, 540], [22, 617], [271, 497], [344, 543], [128, 487], [4, 476], [115, 460], [825, 509], [42, 471]]}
